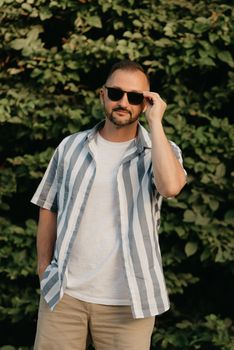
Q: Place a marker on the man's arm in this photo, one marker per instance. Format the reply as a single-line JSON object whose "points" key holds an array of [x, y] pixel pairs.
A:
{"points": [[168, 172], [46, 236]]}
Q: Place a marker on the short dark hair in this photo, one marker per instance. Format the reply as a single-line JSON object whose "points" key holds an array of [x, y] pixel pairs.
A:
{"points": [[128, 65]]}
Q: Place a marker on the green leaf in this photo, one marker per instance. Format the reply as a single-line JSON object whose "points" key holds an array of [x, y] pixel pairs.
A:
{"points": [[202, 220], [34, 33], [229, 216], [189, 216], [94, 21], [226, 57], [213, 204], [45, 13], [207, 61], [137, 23], [30, 40], [27, 7], [220, 170], [18, 44], [190, 248]]}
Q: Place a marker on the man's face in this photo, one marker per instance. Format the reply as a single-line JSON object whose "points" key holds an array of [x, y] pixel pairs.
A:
{"points": [[121, 112]]}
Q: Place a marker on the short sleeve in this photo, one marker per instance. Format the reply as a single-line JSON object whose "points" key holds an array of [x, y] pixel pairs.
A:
{"points": [[178, 154], [46, 193]]}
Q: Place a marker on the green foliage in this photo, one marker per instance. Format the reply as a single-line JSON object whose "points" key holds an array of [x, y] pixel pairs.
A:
{"points": [[54, 57], [17, 245], [210, 333], [17, 267]]}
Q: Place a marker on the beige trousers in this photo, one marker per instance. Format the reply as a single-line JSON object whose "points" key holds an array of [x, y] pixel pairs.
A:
{"points": [[73, 323]]}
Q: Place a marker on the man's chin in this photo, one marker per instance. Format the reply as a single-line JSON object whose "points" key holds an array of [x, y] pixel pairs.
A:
{"points": [[122, 121]]}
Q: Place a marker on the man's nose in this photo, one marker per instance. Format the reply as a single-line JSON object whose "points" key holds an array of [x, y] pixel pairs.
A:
{"points": [[124, 100]]}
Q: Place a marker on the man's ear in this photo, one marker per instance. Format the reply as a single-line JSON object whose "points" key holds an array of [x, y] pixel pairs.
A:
{"points": [[101, 95], [144, 107]]}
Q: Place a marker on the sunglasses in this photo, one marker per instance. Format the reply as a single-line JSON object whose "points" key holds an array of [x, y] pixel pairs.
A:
{"points": [[115, 94]]}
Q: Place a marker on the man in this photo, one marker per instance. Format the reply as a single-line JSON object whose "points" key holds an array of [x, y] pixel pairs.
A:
{"points": [[98, 253]]}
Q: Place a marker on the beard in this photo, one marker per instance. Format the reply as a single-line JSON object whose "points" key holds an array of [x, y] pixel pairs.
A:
{"points": [[122, 121]]}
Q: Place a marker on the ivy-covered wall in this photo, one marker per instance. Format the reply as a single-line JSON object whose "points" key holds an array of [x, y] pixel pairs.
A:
{"points": [[54, 58]]}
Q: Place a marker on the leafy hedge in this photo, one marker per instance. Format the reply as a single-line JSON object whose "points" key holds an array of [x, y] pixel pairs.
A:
{"points": [[54, 58]]}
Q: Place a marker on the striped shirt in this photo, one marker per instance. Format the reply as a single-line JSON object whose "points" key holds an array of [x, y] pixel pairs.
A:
{"points": [[65, 188]]}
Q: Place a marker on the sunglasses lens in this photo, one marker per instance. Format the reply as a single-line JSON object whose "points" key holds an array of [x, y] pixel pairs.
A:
{"points": [[135, 98], [115, 94]]}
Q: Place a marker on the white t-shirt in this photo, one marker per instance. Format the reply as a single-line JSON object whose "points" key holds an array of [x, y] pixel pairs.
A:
{"points": [[95, 268]]}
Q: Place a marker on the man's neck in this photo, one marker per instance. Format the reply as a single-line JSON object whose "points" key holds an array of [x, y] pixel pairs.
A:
{"points": [[115, 133]]}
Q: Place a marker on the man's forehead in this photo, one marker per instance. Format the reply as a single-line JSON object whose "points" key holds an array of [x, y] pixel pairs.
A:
{"points": [[131, 78]]}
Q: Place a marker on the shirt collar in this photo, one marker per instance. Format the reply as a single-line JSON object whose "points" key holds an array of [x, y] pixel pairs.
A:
{"points": [[143, 140]]}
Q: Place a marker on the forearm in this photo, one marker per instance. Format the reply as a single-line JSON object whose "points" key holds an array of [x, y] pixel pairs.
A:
{"points": [[168, 172], [46, 236]]}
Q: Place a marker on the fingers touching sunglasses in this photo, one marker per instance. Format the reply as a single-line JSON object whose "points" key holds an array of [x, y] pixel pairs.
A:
{"points": [[116, 94]]}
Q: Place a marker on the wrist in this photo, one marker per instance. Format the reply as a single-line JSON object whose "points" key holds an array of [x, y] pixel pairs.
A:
{"points": [[155, 124], [41, 268]]}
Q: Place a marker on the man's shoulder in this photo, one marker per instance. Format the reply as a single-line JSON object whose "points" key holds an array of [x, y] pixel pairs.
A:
{"points": [[77, 137]]}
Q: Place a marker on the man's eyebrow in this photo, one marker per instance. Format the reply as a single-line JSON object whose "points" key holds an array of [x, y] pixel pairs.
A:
{"points": [[118, 87]]}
